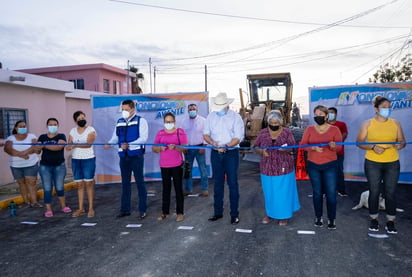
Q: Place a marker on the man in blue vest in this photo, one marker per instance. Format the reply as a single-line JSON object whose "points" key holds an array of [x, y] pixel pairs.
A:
{"points": [[130, 133]]}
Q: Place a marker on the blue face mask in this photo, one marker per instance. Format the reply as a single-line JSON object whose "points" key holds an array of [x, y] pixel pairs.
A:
{"points": [[21, 131], [222, 112], [332, 116], [385, 112], [52, 129], [192, 114]]}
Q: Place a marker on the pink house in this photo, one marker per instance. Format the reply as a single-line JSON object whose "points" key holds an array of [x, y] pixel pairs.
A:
{"points": [[92, 77]]}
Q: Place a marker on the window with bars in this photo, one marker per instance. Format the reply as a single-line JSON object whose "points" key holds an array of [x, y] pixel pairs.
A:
{"points": [[106, 85], [116, 87], [9, 117], [78, 83]]}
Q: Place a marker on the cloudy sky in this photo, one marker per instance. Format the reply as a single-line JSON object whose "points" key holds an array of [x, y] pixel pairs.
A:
{"points": [[320, 42]]}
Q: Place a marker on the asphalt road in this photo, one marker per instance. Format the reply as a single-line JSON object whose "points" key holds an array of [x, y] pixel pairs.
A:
{"points": [[61, 246]]}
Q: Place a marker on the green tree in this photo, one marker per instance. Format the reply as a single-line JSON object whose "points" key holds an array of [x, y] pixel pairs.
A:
{"points": [[401, 72], [133, 69]]}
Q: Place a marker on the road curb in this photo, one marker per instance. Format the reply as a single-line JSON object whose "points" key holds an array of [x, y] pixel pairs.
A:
{"points": [[4, 204]]}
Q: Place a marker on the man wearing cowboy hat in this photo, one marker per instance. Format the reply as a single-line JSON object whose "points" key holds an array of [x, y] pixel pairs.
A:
{"points": [[224, 130]]}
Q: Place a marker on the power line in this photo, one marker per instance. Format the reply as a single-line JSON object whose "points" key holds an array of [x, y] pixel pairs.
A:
{"points": [[252, 18], [283, 40], [293, 59]]}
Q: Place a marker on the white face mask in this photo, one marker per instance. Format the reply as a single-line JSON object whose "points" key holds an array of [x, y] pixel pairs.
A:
{"points": [[169, 126], [125, 114]]}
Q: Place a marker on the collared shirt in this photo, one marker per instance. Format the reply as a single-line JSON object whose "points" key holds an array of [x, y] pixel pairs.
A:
{"points": [[222, 129], [194, 129], [143, 134]]}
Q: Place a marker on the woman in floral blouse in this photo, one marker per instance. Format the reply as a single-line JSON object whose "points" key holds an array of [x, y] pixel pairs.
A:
{"points": [[277, 171]]}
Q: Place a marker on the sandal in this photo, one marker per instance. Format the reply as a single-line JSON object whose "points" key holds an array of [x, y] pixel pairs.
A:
{"points": [[162, 217], [78, 213], [91, 213], [36, 205], [179, 217], [48, 213], [267, 220], [283, 222], [66, 210]]}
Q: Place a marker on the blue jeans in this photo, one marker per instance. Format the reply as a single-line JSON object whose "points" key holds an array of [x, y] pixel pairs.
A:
{"points": [[201, 162], [52, 176], [341, 175], [323, 176], [376, 173], [225, 164], [83, 169], [169, 173], [128, 165]]}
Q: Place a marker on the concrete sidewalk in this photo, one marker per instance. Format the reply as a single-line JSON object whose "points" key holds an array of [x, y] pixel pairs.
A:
{"points": [[10, 192], [107, 246]]}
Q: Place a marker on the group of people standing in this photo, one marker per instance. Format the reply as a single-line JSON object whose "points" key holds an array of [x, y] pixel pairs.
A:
{"points": [[223, 130], [24, 147], [381, 165]]}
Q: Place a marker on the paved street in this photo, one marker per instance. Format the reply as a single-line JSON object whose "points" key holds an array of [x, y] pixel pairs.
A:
{"points": [[61, 246]]}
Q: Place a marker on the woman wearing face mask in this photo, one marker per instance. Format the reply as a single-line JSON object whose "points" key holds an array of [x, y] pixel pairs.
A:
{"points": [[277, 172], [322, 164], [171, 164], [382, 160], [52, 167], [81, 141], [24, 162]]}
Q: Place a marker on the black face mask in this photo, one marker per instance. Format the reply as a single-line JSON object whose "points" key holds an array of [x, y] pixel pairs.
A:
{"points": [[320, 120], [81, 123], [274, 128]]}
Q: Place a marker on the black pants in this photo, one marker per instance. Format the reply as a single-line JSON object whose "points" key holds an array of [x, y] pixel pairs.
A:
{"points": [[169, 173]]}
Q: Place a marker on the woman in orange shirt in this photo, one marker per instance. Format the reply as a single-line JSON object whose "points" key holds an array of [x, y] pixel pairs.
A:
{"points": [[382, 160], [322, 164]]}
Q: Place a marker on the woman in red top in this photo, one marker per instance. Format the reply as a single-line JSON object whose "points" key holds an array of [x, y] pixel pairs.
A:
{"points": [[322, 164]]}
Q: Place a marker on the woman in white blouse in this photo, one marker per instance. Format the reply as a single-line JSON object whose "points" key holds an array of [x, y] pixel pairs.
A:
{"points": [[24, 161], [81, 141]]}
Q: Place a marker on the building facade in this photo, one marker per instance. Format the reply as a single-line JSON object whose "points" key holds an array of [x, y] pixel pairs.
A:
{"points": [[92, 77]]}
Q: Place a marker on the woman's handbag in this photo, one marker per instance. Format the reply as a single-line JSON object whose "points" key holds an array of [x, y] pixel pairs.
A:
{"points": [[185, 165]]}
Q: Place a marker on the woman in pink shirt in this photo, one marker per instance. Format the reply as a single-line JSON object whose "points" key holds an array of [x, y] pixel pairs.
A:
{"points": [[170, 161], [322, 164]]}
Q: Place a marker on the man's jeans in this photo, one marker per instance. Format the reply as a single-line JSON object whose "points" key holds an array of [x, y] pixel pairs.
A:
{"points": [[323, 179], [225, 163], [341, 175], [52, 176], [201, 162], [128, 165], [376, 173]]}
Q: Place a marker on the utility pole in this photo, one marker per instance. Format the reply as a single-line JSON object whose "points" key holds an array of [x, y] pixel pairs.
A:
{"points": [[154, 79], [205, 77], [150, 74], [127, 77]]}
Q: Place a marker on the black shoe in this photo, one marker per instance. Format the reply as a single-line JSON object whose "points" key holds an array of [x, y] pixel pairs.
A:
{"points": [[234, 220], [142, 216], [215, 217], [390, 227], [374, 225], [318, 222], [122, 215], [331, 225]]}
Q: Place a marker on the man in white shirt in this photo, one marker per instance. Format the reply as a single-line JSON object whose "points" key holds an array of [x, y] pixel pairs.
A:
{"points": [[224, 130], [193, 126]]}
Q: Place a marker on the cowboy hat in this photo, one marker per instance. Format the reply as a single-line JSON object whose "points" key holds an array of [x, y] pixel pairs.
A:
{"points": [[221, 101]]}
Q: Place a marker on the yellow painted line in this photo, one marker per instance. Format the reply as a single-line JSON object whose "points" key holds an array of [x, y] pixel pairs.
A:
{"points": [[4, 204]]}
